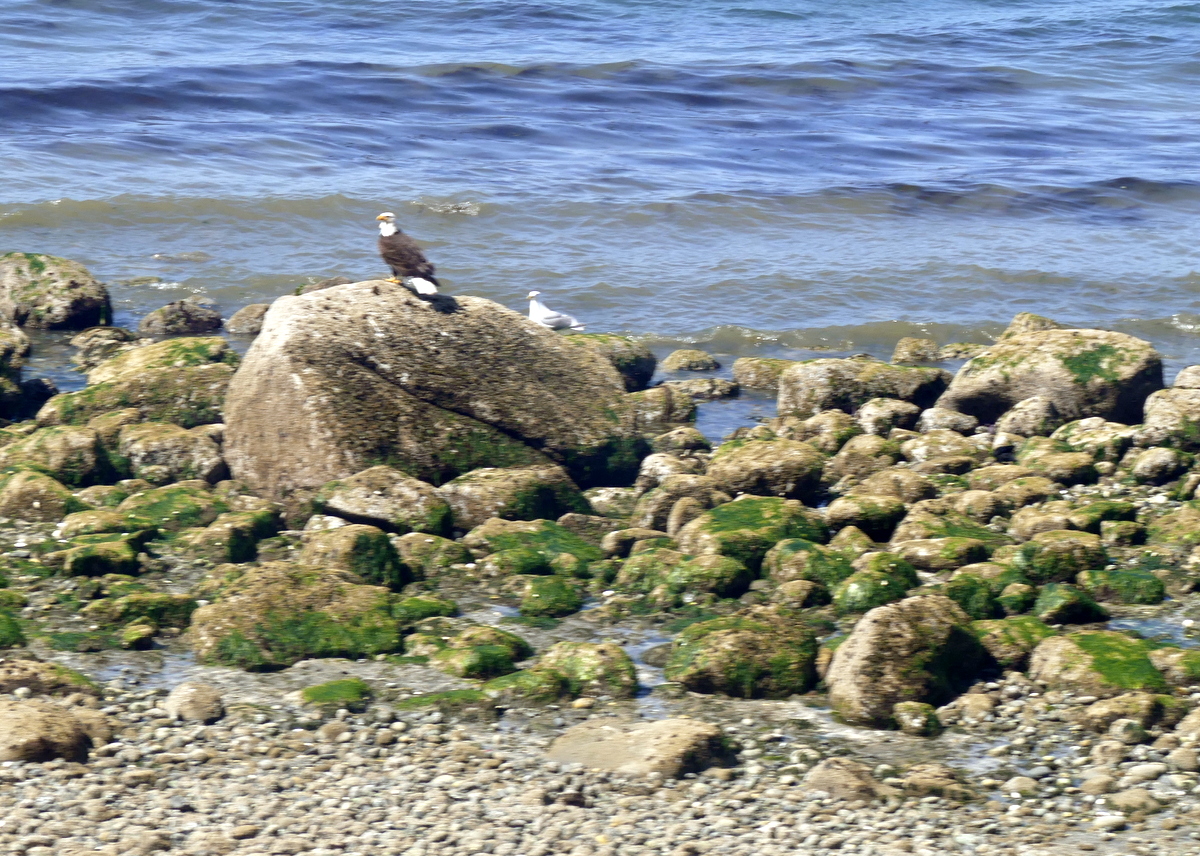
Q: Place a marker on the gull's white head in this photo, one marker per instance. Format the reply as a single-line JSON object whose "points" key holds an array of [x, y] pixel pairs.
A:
{"points": [[533, 295]]}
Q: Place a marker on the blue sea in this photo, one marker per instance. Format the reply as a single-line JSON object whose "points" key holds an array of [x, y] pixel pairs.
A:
{"points": [[770, 177]]}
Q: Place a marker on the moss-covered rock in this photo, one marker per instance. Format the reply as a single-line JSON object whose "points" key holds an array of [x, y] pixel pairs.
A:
{"points": [[161, 609], [544, 536], [31, 495], [760, 372], [916, 719], [186, 395], [941, 554], [747, 528], [633, 360], [719, 575], [1128, 586], [940, 521], [775, 467], [1055, 556], [348, 693], [518, 560], [810, 386], [518, 493], [51, 293], [161, 452], [1010, 641], [387, 498], [181, 352], [1062, 603], [174, 507], [1100, 663], [232, 537], [118, 556], [1082, 372], [72, 456], [1180, 667], [551, 596], [764, 652], [429, 556], [536, 685], [409, 611], [1180, 528], [1090, 516], [877, 516], [645, 570], [477, 662], [1016, 598], [918, 649], [881, 578], [973, 595], [11, 635], [798, 559], [363, 550], [656, 506], [273, 615], [592, 668]]}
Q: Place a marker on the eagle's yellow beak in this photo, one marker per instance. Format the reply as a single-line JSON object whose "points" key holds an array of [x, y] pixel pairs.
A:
{"points": [[381, 217]]}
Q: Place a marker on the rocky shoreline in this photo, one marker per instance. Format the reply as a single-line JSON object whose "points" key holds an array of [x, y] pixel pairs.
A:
{"points": [[459, 584]]}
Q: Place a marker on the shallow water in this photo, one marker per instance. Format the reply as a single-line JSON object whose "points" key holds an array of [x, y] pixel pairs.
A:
{"points": [[757, 176]]}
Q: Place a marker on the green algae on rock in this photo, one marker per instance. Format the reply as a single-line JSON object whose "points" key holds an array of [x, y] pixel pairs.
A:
{"points": [[917, 649], [1082, 372], [592, 669], [271, 616], [1062, 603], [747, 528], [362, 550], [11, 635], [544, 536], [430, 556], [810, 386], [1055, 556], [798, 559], [776, 467], [349, 693], [51, 293], [551, 596], [185, 395], [387, 498], [1101, 663], [633, 360], [763, 652], [517, 493], [1122, 586], [1010, 641]]}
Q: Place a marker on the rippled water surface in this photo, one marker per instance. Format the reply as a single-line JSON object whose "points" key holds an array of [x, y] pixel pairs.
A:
{"points": [[762, 176]]}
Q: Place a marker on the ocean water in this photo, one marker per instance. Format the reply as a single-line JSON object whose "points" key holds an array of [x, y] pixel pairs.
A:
{"points": [[776, 177]]}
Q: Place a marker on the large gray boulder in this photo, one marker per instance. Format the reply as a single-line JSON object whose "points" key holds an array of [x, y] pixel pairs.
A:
{"points": [[1080, 372], [808, 387], [669, 747], [50, 293], [40, 731], [916, 649], [362, 374]]}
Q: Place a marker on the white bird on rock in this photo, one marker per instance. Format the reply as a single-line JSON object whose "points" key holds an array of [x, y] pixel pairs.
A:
{"points": [[547, 317]]}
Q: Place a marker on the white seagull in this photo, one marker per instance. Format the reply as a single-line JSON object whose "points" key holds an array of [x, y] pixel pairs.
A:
{"points": [[547, 317]]}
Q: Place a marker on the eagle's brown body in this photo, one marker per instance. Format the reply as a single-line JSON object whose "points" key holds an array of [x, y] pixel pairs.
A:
{"points": [[409, 266], [405, 258]]}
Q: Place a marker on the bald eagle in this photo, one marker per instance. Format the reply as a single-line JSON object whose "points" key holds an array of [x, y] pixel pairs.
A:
{"points": [[409, 266]]}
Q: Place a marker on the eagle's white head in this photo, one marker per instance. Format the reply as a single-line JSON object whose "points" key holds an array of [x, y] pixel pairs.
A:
{"points": [[387, 224], [533, 295]]}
